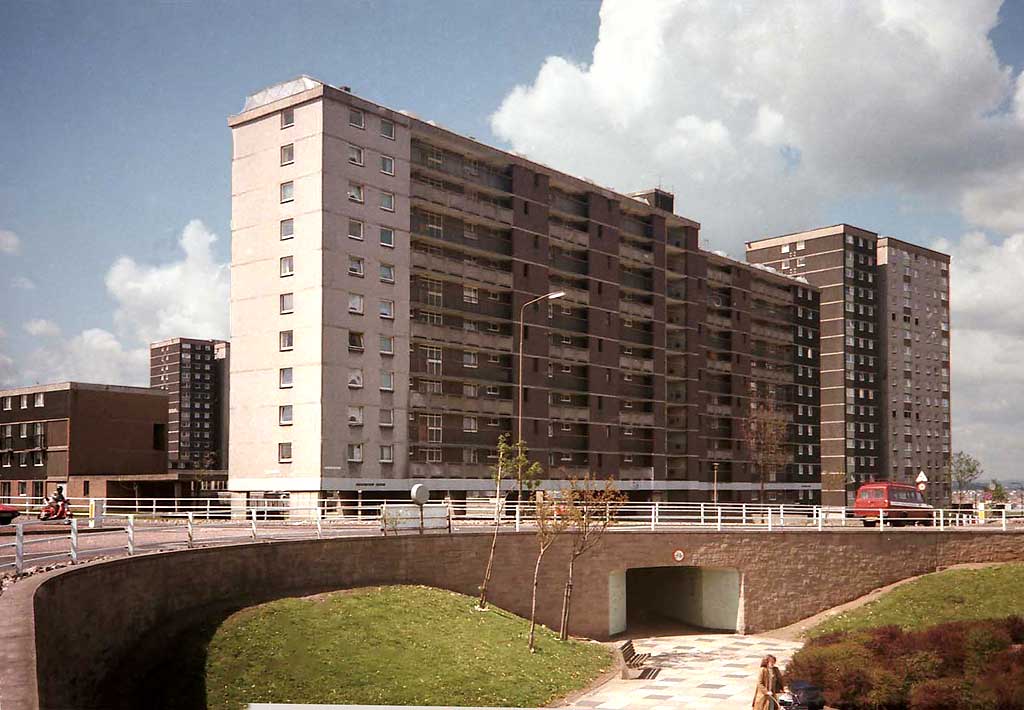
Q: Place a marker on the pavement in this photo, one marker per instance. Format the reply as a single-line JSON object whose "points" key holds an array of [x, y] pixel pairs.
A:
{"points": [[695, 671]]}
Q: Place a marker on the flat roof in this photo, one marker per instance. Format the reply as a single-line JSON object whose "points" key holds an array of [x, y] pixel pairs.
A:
{"points": [[886, 241], [305, 88], [60, 386], [840, 228], [172, 341]]}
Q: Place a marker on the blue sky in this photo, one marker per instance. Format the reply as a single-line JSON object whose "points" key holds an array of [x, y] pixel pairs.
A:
{"points": [[118, 113]]}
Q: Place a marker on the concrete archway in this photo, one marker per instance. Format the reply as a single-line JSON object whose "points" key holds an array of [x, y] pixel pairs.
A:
{"points": [[656, 599]]}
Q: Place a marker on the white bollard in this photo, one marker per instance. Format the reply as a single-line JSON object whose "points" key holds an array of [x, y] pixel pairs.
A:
{"points": [[519, 515], [252, 524], [719, 521], [743, 514], [820, 517], [769, 519], [74, 541], [702, 514], [782, 516], [319, 530], [130, 529], [881, 520], [1004, 519], [942, 519], [190, 531], [19, 548]]}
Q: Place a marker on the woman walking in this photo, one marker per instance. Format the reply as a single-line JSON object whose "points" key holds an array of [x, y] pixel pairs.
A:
{"points": [[769, 683]]}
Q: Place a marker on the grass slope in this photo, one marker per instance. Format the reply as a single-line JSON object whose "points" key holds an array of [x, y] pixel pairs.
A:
{"points": [[953, 595], [390, 645]]}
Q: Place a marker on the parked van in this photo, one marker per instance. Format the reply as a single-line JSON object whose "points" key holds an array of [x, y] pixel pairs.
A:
{"points": [[903, 504]]}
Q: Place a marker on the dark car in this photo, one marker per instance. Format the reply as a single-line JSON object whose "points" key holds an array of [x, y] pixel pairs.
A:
{"points": [[8, 513]]}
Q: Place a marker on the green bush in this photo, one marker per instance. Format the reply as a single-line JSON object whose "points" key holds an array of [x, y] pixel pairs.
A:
{"points": [[940, 694], [982, 645]]}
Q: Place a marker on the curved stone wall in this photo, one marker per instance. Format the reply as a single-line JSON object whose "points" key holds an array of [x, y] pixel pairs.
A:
{"points": [[79, 624]]}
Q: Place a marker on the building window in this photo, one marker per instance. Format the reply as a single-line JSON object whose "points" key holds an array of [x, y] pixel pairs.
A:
{"points": [[470, 359], [24, 404], [355, 266], [434, 431], [470, 456], [469, 424], [387, 128], [433, 356], [387, 273], [387, 381], [387, 453], [387, 165], [284, 452], [287, 265], [287, 191], [387, 345], [286, 340], [355, 378], [355, 229], [432, 455], [470, 295], [387, 201], [355, 155], [355, 416], [7, 404], [284, 377], [355, 453], [287, 303], [355, 303], [287, 230], [387, 309], [288, 154], [288, 118], [435, 292], [38, 399], [435, 225], [387, 237], [284, 415], [355, 341], [37, 458], [387, 417], [355, 192], [356, 118]]}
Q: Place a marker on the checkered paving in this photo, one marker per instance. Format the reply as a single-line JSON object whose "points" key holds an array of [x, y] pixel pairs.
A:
{"points": [[708, 671]]}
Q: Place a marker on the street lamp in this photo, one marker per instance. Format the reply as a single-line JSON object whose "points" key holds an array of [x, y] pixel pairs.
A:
{"points": [[519, 421], [714, 467]]}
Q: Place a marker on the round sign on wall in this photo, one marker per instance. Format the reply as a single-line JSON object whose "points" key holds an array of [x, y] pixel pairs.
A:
{"points": [[678, 555], [921, 487]]}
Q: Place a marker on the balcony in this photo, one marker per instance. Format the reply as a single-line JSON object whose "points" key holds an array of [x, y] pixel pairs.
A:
{"points": [[629, 362], [636, 445], [456, 403], [637, 335], [564, 262], [633, 253], [633, 473], [569, 412], [719, 365], [777, 293], [720, 454], [675, 369], [459, 268], [777, 334], [719, 276], [563, 321], [636, 390], [460, 202], [676, 292], [572, 294], [632, 417], [568, 204], [481, 339], [632, 225], [489, 242], [637, 281], [637, 308], [568, 352], [447, 163], [718, 321], [567, 381], [721, 410], [568, 234]]}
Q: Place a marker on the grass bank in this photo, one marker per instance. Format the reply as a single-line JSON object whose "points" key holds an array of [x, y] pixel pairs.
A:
{"points": [[953, 595], [399, 645]]}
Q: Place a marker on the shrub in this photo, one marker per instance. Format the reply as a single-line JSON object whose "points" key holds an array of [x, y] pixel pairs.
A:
{"points": [[1015, 627], [921, 665], [826, 666], [887, 641], [940, 694], [887, 689], [981, 645]]}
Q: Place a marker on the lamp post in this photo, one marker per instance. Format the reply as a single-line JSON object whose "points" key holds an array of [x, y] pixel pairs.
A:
{"points": [[519, 414], [714, 467]]}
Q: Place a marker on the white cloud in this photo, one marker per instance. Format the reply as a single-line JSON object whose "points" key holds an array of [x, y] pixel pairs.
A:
{"points": [[187, 297], [23, 282], [758, 114], [9, 242], [987, 341], [41, 327]]}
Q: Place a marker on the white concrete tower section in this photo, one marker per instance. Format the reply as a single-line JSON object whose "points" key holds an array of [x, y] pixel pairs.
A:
{"points": [[319, 292]]}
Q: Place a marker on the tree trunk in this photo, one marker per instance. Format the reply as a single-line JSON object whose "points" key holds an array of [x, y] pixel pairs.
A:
{"points": [[533, 602], [482, 604], [563, 631]]}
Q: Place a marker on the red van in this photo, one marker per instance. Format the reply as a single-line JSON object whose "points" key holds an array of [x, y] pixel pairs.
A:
{"points": [[903, 504]]}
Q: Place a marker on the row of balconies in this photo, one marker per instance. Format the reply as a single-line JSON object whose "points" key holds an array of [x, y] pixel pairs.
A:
{"points": [[461, 269]]}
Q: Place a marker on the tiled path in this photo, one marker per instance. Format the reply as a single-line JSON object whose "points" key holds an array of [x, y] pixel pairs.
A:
{"points": [[696, 671]]}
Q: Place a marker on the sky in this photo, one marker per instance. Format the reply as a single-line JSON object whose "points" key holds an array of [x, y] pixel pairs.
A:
{"points": [[905, 117]]}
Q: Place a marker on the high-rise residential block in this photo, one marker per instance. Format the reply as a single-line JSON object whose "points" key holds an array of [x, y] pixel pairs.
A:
{"points": [[194, 373], [381, 270], [915, 290], [884, 306]]}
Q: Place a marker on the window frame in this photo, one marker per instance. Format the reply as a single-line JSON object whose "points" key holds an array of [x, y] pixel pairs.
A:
{"points": [[281, 378], [286, 340], [281, 420], [283, 457], [383, 162], [385, 197], [287, 118], [287, 154], [394, 127], [290, 308], [290, 260], [288, 186]]}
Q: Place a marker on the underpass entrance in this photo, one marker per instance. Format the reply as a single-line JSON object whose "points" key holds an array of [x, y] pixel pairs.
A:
{"points": [[665, 600]]}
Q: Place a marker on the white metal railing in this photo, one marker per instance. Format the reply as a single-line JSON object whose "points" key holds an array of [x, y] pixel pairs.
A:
{"points": [[127, 526]]}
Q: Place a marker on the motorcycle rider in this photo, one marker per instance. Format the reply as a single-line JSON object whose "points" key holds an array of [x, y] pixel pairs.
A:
{"points": [[55, 502]]}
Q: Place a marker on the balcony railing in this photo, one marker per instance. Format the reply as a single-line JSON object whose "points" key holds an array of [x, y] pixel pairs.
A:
{"points": [[568, 234], [484, 241], [564, 262], [461, 202], [455, 165], [637, 281], [458, 267], [569, 205], [636, 335], [628, 251], [636, 363]]}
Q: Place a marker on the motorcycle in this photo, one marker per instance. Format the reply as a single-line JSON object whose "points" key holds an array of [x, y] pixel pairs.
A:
{"points": [[55, 511]]}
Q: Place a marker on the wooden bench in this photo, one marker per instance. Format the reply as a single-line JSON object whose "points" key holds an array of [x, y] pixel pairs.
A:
{"points": [[631, 657]]}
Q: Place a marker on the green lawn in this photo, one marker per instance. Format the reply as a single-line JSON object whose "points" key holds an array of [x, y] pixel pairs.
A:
{"points": [[399, 645], [953, 595]]}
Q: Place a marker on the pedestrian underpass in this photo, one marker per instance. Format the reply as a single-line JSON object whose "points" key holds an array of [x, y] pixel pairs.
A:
{"points": [[675, 599]]}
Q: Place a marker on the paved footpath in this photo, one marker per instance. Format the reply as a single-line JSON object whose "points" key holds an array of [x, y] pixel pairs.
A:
{"points": [[695, 672]]}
